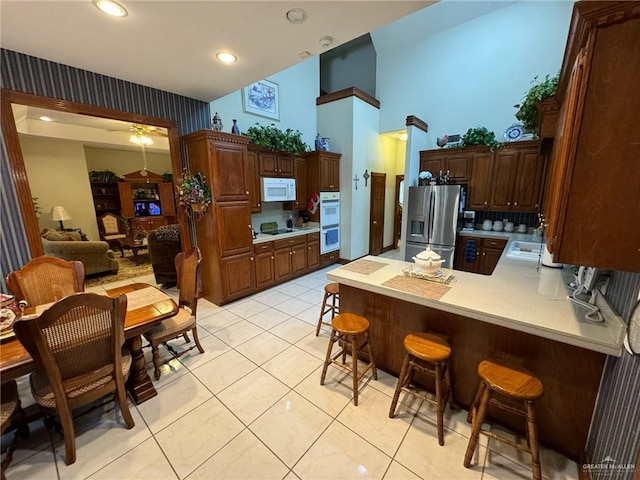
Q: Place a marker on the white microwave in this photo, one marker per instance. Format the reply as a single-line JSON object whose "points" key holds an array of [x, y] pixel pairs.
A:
{"points": [[278, 189]]}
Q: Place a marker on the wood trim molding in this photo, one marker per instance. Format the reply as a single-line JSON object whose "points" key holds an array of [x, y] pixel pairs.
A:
{"points": [[16, 159], [346, 93], [413, 121], [217, 135]]}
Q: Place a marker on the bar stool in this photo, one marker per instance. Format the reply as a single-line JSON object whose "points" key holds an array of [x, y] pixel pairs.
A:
{"points": [[331, 291], [511, 381], [430, 354], [345, 329]]}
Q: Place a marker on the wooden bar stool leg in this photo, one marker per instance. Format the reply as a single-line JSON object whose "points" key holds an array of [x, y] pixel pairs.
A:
{"points": [[327, 359], [333, 306], [439, 401], [322, 311], [354, 359], [475, 403], [478, 418], [371, 359], [396, 395], [447, 374], [532, 438]]}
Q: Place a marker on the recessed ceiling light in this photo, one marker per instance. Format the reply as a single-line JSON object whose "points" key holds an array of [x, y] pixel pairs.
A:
{"points": [[226, 57], [296, 15], [304, 54], [326, 41], [110, 8], [45, 119], [403, 136]]}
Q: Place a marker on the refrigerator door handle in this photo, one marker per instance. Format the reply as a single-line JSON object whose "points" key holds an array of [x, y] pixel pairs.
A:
{"points": [[432, 208]]}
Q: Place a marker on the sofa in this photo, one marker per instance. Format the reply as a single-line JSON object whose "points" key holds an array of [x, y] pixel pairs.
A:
{"points": [[164, 244], [95, 256]]}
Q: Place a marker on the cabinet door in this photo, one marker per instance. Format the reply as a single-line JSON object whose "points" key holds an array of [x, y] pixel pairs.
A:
{"points": [[299, 259], [490, 257], [313, 255], [334, 167], [285, 166], [233, 222], [228, 166], [469, 257], [430, 164], [167, 199], [503, 176], [238, 275], [325, 175], [528, 182], [300, 175], [253, 182], [459, 167], [264, 264], [268, 164], [126, 199], [479, 190], [282, 263]]}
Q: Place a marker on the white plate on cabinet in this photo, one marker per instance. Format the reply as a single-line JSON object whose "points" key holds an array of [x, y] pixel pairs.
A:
{"points": [[514, 133]]}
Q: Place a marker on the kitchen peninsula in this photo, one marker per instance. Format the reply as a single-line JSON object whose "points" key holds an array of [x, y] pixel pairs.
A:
{"points": [[518, 313]]}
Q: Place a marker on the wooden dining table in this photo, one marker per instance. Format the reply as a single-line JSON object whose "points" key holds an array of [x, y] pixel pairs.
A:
{"points": [[146, 305]]}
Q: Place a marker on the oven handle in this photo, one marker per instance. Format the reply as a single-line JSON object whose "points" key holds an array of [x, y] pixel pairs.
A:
{"points": [[335, 225]]}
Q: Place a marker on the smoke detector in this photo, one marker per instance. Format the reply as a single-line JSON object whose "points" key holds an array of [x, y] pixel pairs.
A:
{"points": [[296, 15], [326, 41]]}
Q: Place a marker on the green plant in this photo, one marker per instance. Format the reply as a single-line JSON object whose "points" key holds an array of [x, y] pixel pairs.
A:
{"points": [[273, 138], [527, 112], [479, 136], [167, 177], [193, 194], [103, 176], [36, 208]]}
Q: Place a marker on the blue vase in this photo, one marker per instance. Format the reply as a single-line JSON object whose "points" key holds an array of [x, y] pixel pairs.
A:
{"points": [[234, 128]]}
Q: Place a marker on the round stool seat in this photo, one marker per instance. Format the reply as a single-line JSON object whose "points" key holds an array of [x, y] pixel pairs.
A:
{"points": [[350, 324], [427, 346], [510, 380], [332, 288]]}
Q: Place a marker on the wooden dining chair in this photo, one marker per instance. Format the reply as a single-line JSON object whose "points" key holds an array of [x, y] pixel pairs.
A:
{"points": [[76, 346], [46, 279], [188, 269], [11, 410]]}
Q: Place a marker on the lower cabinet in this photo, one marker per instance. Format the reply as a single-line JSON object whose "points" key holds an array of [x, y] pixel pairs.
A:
{"points": [[264, 263], [238, 273], [313, 251], [329, 258], [479, 258], [148, 223], [290, 257]]}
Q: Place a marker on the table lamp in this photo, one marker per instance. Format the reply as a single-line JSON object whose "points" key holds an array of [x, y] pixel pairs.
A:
{"points": [[59, 213]]}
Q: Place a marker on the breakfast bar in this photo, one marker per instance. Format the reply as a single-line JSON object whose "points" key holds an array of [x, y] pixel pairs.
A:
{"points": [[520, 314]]}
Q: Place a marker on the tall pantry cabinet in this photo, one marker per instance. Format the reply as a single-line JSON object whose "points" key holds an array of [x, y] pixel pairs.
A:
{"points": [[591, 204], [224, 232]]}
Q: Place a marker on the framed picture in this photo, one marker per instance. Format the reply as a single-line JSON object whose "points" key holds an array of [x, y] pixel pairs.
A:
{"points": [[261, 98]]}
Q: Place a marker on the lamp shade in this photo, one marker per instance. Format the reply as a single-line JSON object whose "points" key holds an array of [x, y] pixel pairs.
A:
{"points": [[58, 213]]}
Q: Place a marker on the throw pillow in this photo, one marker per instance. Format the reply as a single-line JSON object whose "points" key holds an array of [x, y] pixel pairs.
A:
{"points": [[168, 233]]}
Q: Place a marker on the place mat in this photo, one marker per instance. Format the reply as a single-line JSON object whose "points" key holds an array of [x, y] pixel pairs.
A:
{"points": [[417, 286], [442, 275], [365, 267], [146, 296]]}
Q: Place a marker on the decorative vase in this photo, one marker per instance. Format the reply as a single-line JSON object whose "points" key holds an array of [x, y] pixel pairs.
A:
{"points": [[234, 128], [324, 144], [318, 142], [216, 122]]}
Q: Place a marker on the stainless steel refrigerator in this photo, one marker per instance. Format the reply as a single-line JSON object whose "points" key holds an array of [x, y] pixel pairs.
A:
{"points": [[432, 220]]}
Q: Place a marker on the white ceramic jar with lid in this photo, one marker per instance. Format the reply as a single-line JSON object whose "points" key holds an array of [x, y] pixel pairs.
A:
{"points": [[498, 226], [487, 225], [509, 227], [428, 261]]}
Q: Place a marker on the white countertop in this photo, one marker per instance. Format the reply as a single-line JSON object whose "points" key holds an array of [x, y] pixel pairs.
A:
{"points": [[516, 296], [262, 237]]}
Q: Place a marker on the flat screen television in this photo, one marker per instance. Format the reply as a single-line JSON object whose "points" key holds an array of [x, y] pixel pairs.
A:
{"points": [[146, 208]]}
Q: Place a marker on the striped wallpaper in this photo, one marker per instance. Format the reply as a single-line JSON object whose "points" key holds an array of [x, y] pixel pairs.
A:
{"points": [[24, 73]]}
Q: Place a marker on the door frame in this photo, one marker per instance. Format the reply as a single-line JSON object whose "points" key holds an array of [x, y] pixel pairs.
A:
{"points": [[373, 176], [397, 215]]}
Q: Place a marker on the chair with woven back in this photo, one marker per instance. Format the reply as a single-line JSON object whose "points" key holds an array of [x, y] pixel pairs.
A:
{"points": [[188, 269], [46, 279], [10, 410], [77, 349], [112, 231]]}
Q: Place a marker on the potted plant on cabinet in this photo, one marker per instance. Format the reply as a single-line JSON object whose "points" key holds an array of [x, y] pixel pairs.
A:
{"points": [[540, 90], [273, 138], [193, 194]]}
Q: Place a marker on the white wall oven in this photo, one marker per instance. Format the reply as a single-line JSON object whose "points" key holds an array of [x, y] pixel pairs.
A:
{"points": [[329, 222]]}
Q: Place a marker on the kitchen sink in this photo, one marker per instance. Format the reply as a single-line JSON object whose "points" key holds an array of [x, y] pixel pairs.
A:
{"points": [[525, 250]]}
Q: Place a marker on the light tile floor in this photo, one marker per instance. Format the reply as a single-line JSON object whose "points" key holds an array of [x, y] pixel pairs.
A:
{"points": [[251, 407]]}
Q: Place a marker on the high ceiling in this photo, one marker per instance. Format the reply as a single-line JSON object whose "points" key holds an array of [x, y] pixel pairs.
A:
{"points": [[171, 45]]}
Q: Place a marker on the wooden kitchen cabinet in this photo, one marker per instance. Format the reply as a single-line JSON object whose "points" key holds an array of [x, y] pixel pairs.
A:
{"points": [[479, 197], [457, 161], [313, 251], [323, 169], [264, 264], [290, 257], [224, 231], [238, 274], [300, 175], [148, 223], [275, 165], [593, 185], [329, 258], [487, 253], [253, 182]]}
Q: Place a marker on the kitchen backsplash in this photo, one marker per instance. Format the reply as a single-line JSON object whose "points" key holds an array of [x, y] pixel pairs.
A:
{"points": [[273, 212], [530, 219]]}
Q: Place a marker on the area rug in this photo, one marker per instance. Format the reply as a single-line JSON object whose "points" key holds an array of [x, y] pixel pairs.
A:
{"points": [[128, 269]]}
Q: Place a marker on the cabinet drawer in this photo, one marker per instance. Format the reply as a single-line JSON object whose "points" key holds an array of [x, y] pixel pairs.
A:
{"points": [[313, 237], [288, 242], [494, 243], [262, 247]]}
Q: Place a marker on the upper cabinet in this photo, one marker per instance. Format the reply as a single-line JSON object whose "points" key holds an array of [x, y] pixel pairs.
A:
{"points": [[323, 170], [275, 165], [300, 174], [253, 182], [457, 161], [591, 205]]}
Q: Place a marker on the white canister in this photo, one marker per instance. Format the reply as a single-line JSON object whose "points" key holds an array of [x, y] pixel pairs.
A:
{"points": [[486, 225], [498, 226], [522, 228], [509, 227]]}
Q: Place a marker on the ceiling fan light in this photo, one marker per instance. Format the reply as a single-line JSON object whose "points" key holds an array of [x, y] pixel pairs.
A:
{"points": [[111, 8], [226, 57], [140, 139], [44, 118]]}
